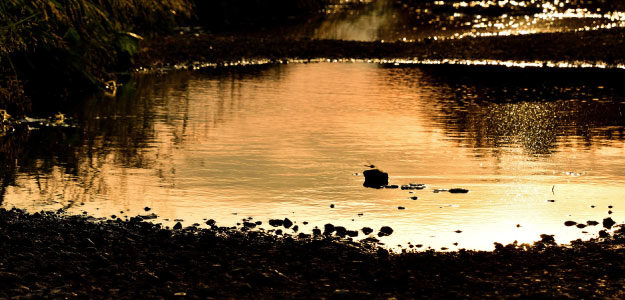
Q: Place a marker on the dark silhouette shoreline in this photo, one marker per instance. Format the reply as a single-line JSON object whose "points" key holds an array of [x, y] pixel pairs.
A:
{"points": [[51, 255]]}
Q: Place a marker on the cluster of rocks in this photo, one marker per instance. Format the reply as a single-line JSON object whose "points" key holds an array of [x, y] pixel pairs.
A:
{"points": [[49, 255]]}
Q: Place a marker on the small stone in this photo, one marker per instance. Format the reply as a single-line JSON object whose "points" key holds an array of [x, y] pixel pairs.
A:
{"points": [[385, 231], [316, 231], [210, 222], [287, 223], [401, 208], [146, 208], [458, 231], [295, 228], [458, 191], [367, 230], [375, 178], [414, 197], [392, 186], [603, 234], [340, 231], [592, 223], [178, 226], [518, 225], [276, 222], [609, 212], [551, 200], [352, 233], [580, 225], [609, 206], [328, 229], [331, 205], [608, 223], [570, 223], [279, 231], [249, 224]]}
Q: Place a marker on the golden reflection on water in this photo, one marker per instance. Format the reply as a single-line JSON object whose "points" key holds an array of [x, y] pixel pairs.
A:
{"points": [[414, 20], [284, 141]]}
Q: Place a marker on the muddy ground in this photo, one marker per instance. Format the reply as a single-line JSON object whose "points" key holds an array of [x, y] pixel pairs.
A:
{"points": [[51, 255]]}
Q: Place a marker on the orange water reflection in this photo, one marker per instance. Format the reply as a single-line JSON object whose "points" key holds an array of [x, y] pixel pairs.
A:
{"points": [[285, 140]]}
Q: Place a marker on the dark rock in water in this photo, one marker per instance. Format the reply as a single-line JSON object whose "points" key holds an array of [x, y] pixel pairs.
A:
{"points": [[609, 212], [352, 233], [414, 197], [258, 223], [287, 223], [249, 224], [366, 230], [458, 231], [316, 231], [178, 226], [328, 229], [592, 223], [295, 228], [303, 235], [458, 191], [551, 200], [608, 223], [340, 231], [401, 207], [609, 206], [603, 234], [210, 222], [570, 223], [279, 231], [393, 186], [385, 231], [331, 205], [580, 225], [375, 178], [276, 222], [147, 208]]}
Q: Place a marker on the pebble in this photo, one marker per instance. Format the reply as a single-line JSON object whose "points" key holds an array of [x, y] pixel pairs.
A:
{"points": [[608, 223], [414, 197], [401, 208], [570, 223], [385, 231], [178, 226], [287, 223], [146, 208], [276, 222], [367, 230], [458, 191]]}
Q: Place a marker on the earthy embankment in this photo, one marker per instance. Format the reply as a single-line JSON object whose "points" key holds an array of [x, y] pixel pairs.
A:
{"points": [[606, 46], [50, 255]]}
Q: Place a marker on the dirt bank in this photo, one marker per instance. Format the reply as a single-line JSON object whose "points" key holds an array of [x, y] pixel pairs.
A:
{"points": [[606, 46], [51, 255]]}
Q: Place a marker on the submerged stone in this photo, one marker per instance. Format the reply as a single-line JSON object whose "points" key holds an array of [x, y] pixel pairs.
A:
{"points": [[178, 226]]}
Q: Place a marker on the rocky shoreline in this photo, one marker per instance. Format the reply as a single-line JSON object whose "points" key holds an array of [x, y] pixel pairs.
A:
{"points": [[51, 255]]}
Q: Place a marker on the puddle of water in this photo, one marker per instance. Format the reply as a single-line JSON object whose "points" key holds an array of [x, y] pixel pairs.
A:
{"points": [[276, 141]]}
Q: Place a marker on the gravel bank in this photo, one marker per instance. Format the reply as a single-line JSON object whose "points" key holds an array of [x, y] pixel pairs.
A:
{"points": [[56, 256]]}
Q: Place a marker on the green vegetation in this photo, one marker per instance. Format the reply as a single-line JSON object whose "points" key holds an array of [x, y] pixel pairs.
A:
{"points": [[73, 45]]}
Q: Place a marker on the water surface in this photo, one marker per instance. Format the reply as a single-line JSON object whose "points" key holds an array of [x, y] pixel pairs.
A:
{"points": [[281, 141]]}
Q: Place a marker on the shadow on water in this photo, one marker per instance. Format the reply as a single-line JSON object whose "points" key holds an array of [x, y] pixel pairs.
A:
{"points": [[120, 131], [489, 108]]}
